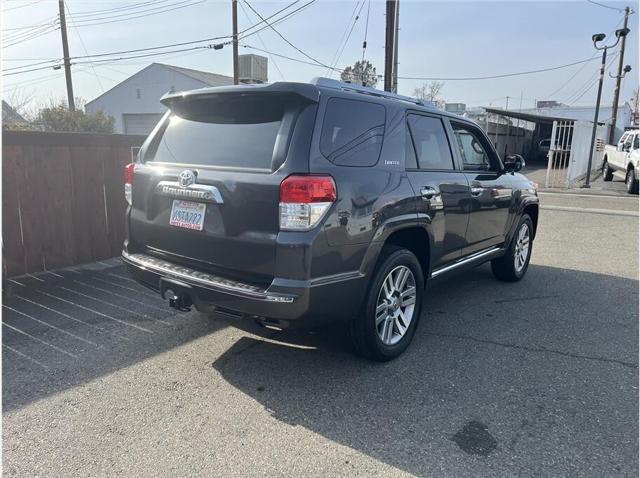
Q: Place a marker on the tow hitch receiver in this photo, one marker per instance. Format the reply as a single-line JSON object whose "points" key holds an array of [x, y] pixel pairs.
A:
{"points": [[177, 293]]}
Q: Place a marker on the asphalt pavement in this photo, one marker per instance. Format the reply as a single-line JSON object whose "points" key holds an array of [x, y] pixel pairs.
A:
{"points": [[536, 378]]}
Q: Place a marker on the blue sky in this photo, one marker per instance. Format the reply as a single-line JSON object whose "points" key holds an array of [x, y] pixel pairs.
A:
{"points": [[437, 39]]}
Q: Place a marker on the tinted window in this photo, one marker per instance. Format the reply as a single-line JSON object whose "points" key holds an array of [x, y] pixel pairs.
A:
{"points": [[410, 161], [473, 150], [352, 132], [430, 140], [228, 131], [636, 142]]}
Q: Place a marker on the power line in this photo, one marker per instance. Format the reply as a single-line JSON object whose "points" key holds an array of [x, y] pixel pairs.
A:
{"points": [[366, 30], [492, 77], [582, 67], [73, 23], [134, 6], [31, 27], [297, 60], [31, 36], [21, 6], [346, 42], [342, 37], [211, 39], [282, 36], [179, 6], [606, 6], [574, 99], [244, 10]]}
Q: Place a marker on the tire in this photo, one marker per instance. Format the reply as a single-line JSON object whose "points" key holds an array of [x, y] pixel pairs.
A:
{"points": [[607, 172], [380, 336], [631, 181], [505, 268]]}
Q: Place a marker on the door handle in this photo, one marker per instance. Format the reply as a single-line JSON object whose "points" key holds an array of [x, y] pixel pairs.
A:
{"points": [[428, 192], [476, 191]]}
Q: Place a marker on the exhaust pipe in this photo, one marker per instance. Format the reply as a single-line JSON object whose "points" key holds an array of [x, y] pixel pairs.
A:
{"points": [[181, 302]]}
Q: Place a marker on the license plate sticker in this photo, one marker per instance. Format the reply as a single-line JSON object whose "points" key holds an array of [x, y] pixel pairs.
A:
{"points": [[187, 214]]}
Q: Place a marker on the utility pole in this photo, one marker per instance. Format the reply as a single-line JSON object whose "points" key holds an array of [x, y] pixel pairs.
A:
{"points": [[67, 61], [390, 44], [597, 38], [616, 92], [234, 8], [595, 119], [394, 86], [508, 127]]}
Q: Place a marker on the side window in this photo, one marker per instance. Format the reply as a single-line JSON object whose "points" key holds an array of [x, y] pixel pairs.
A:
{"points": [[410, 161], [628, 142], [636, 142], [430, 141], [352, 132], [473, 150], [623, 139]]}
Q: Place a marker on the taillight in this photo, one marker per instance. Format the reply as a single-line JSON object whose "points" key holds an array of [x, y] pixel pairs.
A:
{"points": [[304, 200], [129, 169]]}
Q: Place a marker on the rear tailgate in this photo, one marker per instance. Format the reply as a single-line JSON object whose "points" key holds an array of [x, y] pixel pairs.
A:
{"points": [[227, 151]]}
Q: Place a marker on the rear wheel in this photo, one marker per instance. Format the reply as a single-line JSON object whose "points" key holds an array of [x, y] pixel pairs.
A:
{"points": [[514, 264], [388, 321], [607, 172], [632, 181]]}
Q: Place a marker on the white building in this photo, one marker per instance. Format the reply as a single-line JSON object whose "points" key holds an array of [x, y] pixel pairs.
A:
{"points": [[135, 102], [586, 113]]}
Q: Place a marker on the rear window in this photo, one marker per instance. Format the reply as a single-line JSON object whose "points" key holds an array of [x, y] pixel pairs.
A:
{"points": [[234, 131], [352, 132]]}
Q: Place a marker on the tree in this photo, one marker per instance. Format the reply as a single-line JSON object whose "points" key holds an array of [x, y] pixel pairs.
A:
{"points": [[429, 91], [362, 72], [57, 117]]}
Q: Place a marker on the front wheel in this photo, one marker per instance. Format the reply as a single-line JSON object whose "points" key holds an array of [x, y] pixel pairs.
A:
{"points": [[632, 182], [607, 172], [514, 264], [388, 321]]}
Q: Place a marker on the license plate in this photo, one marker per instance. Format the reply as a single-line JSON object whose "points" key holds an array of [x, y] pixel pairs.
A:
{"points": [[187, 214]]}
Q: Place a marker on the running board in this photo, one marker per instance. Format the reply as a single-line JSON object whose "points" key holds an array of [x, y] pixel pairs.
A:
{"points": [[477, 257]]}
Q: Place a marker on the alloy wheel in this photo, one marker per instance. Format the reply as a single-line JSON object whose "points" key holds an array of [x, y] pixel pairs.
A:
{"points": [[395, 306], [522, 248]]}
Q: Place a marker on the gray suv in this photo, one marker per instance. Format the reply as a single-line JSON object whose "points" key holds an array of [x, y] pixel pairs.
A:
{"points": [[302, 204]]}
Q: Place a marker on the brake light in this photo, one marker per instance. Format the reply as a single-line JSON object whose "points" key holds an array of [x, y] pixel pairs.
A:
{"points": [[129, 169], [304, 200]]}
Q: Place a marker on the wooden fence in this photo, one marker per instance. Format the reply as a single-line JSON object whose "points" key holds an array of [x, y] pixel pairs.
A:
{"points": [[62, 198]]}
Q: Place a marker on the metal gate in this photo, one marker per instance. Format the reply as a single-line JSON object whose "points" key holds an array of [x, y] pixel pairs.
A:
{"points": [[559, 154]]}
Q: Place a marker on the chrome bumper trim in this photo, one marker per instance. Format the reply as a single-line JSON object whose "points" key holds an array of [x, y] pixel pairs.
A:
{"points": [[203, 279]]}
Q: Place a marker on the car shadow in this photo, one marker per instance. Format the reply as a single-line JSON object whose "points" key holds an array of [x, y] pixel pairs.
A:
{"points": [[69, 327], [497, 373]]}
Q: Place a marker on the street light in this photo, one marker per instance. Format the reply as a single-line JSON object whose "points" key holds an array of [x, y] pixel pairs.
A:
{"points": [[597, 38]]}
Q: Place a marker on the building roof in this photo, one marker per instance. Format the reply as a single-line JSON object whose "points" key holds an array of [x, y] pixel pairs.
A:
{"points": [[534, 118], [11, 116], [211, 79]]}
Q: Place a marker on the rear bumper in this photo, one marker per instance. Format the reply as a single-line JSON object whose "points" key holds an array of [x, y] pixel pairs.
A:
{"points": [[285, 302]]}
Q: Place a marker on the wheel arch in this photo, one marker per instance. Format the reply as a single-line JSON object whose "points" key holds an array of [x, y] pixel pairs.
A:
{"points": [[409, 235], [532, 209]]}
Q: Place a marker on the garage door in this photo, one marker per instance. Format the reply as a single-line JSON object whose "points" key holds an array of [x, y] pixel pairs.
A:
{"points": [[140, 123]]}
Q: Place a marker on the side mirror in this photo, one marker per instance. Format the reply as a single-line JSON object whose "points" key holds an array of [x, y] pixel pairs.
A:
{"points": [[513, 163]]}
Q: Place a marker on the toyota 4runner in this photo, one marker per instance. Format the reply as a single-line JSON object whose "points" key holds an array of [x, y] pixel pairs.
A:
{"points": [[301, 204]]}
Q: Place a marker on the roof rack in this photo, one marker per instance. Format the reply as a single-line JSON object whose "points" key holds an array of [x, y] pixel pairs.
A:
{"points": [[341, 85]]}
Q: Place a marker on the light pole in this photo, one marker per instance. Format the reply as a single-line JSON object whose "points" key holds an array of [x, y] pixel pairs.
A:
{"points": [[599, 37]]}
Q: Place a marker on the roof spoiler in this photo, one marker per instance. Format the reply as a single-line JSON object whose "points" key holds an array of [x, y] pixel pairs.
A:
{"points": [[307, 91]]}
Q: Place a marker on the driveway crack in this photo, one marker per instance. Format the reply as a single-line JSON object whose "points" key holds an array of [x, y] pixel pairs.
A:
{"points": [[537, 349]]}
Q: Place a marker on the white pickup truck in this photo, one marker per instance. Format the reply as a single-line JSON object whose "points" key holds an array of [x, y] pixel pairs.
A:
{"points": [[624, 157]]}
